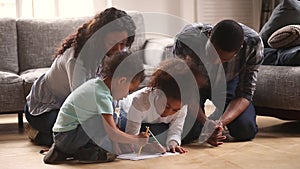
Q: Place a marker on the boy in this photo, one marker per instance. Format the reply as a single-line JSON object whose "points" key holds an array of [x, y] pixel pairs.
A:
{"points": [[85, 121]]}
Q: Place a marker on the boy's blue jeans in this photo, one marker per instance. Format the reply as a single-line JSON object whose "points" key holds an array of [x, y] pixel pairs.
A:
{"points": [[243, 128]]}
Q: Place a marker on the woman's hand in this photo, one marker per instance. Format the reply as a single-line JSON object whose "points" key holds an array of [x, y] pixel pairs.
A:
{"points": [[174, 147]]}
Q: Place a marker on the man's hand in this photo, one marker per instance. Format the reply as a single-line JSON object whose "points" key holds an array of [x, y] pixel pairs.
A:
{"points": [[174, 147], [212, 133], [216, 138]]}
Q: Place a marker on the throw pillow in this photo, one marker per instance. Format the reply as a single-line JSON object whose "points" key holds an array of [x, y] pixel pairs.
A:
{"points": [[285, 13], [285, 37]]}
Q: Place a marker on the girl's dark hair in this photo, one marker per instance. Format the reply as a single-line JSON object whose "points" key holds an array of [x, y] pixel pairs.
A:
{"points": [[169, 74], [227, 35], [122, 22], [124, 64]]}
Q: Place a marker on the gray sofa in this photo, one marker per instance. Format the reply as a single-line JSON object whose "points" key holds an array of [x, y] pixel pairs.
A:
{"points": [[278, 87], [27, 47], [26, 51], [278, 92]]}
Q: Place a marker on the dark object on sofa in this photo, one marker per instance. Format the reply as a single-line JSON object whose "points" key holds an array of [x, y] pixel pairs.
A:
{"points": [[282, 57], [278, 85], [285, 13], [285, 37]]}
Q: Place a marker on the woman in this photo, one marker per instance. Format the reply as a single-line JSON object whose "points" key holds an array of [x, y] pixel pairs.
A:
{"points": [[75, 62]]}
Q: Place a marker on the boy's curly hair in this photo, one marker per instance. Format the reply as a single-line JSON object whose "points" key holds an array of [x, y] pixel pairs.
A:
{"points": [[122, 22], [124, 64]]}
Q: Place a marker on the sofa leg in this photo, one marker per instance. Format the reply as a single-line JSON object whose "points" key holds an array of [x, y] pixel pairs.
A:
{"points": [[20, 121]]}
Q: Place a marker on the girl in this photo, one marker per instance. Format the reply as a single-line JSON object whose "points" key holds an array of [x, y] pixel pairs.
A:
{"points": [[160, 105], [85, 120], [73, 65]]}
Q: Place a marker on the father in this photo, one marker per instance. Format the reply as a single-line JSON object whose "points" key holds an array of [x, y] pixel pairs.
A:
{"points": [[230, 54]]}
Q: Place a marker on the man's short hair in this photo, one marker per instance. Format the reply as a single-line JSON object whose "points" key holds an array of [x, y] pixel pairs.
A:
{"points": [[227, 35]]}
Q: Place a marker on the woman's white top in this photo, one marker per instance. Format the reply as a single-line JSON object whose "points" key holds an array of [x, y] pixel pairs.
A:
{"points": [[51, 89]]}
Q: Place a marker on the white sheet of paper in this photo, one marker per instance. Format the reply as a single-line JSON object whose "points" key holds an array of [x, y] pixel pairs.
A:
{"points": [[135, 157]]}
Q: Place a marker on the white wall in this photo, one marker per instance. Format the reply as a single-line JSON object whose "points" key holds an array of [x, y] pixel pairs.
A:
{"points": [[166, 6], [164, 17], [244, 11], [207, 11]]}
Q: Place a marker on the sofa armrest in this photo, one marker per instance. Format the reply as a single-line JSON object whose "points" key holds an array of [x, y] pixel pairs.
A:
{"points": [[278, 87], [155, 51]]}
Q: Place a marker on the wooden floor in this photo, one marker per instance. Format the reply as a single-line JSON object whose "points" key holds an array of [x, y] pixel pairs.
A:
{"points": [[277, 146]]}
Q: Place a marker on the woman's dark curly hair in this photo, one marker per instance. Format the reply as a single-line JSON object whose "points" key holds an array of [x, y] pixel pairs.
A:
{"points": [[122, 22]]}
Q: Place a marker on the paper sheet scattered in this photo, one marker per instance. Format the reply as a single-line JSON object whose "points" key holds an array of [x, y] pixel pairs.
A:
{"points": [[135, 157]]}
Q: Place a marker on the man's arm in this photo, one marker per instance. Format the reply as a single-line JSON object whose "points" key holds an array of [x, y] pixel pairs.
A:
{"points": [[234, 109], [248, 77]]}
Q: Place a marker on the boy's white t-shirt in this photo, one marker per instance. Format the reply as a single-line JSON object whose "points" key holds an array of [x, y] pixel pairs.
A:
{"points": [[140, 109]]}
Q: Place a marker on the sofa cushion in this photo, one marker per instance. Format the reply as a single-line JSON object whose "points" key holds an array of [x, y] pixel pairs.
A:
{"points": [[8, 45], [278, 87], [285, 37], [29, 76], [285, 13], [39, 38], [11, 95]]}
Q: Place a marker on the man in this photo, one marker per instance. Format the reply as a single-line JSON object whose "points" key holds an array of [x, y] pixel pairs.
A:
{"points": [[229, 54]]}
